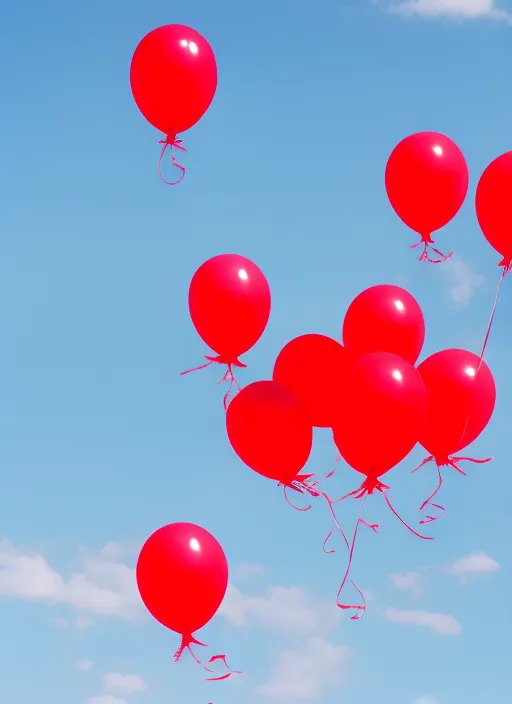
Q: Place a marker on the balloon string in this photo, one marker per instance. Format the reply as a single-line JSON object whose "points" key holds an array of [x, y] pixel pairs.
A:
{"points": [[187, 641], [170, 142], [428, 502], [428, 243], [506, 269], [452, 462], [227, 377], [303, 485], [360, 608]]}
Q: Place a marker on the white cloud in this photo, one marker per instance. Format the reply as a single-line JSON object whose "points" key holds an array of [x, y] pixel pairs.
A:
{"points": [[116, 683], [84, 665], [104, 587], [462, 280], [446, 624], [478, 563], [106, 699], [427, 699], [287, 609], [247, 570], [410, 581], [305, 672], [453, 9]]}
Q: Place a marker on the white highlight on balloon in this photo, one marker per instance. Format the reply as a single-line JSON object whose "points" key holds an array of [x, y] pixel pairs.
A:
{"points": [[397, 375], [194, 544], [399, 306], [470, 371], [243, 274], [438, 150], [192, 46]]}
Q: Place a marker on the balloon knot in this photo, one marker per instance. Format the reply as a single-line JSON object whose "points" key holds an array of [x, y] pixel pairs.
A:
{"points": [[506, 263], [170, 142], [427, 242]]}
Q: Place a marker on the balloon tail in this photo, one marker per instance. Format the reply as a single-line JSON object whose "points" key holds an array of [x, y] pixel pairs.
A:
{"points": [[454, 462], [170, 142], [303, 485], [228, 376], [187, 641], [290, 503], [428, 242], [359, 608], [428, 502], [506, 268], [397, 515]]}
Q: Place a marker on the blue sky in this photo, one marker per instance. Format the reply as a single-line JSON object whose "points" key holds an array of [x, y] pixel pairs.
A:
{"points": [[102, 442]]}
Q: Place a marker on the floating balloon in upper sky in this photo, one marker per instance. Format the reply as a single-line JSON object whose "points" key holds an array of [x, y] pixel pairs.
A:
{"points": [[173, 77], [427, 182]]}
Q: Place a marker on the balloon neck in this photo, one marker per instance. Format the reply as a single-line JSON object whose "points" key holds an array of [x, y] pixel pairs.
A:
{"points": [[427, 238], [506, 262], [187, 640], [171, 142], [370, 485], [228, 361]]}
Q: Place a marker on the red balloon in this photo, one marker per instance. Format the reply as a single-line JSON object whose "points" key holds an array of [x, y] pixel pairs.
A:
{"points": [[427, 181], [313, 367], [384, 318], [269, 430], [173, 77], [229, 302], [494, 205], [382, 413], [460, 401], [182, 576]]}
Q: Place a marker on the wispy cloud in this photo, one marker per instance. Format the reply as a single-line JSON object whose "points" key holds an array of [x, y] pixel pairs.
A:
{"points": [[410, 581], [116, 683], [478, 563], [462, 280], [84, 665], [286, 609], [104, 587], [306, 672], [248, 570], [445, 624], [453, 9], [300, 672]]}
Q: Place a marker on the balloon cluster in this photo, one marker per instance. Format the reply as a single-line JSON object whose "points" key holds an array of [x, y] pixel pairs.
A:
{"points": [[378, 403]]}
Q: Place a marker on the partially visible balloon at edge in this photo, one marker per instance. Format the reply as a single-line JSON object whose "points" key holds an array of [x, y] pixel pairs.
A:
{"points": [[493, 203]]}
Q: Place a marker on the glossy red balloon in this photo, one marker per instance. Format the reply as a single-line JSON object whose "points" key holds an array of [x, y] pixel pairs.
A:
{"points": [[382, 413], [384, 318], [427, 181], [173, 77], [182, 576], [314, 368], [229, 302], [494, 205], [460, 401], [269, 430]]}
